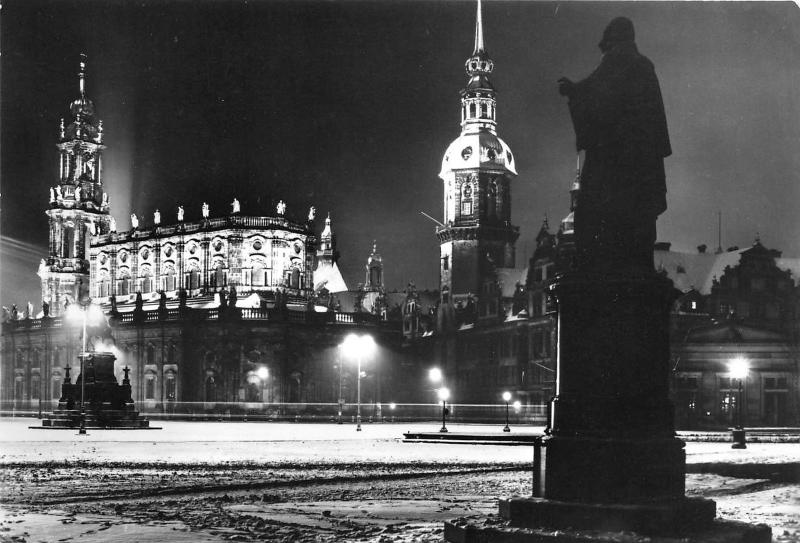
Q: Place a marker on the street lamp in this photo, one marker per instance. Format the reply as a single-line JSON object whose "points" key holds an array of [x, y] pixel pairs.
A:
{"points": [[738, 368], [435, 375], [506, 398], [93, 314], [358, 346], [444, 394]]}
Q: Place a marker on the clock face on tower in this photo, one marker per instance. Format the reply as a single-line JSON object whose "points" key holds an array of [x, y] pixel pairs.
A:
{"points": [[466, 153]]}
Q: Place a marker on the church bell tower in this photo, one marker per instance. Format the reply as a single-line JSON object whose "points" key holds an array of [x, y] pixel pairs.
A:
{"points": [[78, 204], [477, 169]]}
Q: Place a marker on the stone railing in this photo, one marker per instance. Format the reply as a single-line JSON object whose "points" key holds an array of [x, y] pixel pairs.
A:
{"points": [[214, 223], [173, 314]]}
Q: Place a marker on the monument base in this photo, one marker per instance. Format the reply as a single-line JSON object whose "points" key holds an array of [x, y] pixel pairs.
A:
{"points": [[672, 517], [499, 530], [108, 404]]}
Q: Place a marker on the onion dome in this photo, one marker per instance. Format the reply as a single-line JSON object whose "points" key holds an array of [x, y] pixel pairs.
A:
{"points": [[482, 150]]}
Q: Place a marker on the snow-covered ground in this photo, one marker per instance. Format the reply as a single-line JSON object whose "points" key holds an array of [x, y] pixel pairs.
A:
{"points": [[222, 481]]}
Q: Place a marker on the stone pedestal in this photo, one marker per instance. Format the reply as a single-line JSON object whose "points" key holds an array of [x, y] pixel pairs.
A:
{"points": [[611, 433], [610, 461], [108, 404]]}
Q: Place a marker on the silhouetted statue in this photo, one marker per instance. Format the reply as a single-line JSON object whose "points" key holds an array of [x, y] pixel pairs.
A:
{"points": [[45, 309], [619, 120], [113, 303], [162, 301], [232, 297], [182, 296], [139, 302]]}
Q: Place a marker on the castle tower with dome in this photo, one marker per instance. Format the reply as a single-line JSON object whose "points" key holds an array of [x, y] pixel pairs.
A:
{"points": [[477, 238]]}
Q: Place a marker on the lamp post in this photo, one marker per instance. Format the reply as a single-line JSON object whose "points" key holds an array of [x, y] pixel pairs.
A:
{"points": [[84, 312], [444, 394], [358, 346], [263, 374], [506, 398], [738, 369]]}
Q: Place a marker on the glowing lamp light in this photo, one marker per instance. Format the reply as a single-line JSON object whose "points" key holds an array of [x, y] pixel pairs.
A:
{"points": [[262, 372], [354, 345], [517, 405], [506, 396], [738, 368], [358, 347], [444, 394], [435, 375], [392, 405]]}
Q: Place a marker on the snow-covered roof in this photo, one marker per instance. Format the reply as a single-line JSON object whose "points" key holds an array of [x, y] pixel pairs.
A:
{"points": [[328, 275], [508, 279], [695, 270], [698, 270]]}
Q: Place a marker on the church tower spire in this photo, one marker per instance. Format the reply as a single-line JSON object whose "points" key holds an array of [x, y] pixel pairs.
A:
{"points": [[78, 204], [478, 31], [478, 104], [477, 169], [327, 275], [374, 270]]}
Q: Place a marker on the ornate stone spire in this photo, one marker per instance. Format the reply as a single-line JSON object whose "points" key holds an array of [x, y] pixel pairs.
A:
{"points": [[374, 269], [478, 31], [478, 97]]}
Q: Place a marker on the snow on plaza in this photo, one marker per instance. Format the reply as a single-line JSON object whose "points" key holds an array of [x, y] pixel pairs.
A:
{"points": [[255, 481]]}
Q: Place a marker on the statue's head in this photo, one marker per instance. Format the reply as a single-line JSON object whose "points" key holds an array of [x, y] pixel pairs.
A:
{"points": [[619, 30]]}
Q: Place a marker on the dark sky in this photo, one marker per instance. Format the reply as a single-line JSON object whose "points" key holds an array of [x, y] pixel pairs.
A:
{"points": [[349, 106]]}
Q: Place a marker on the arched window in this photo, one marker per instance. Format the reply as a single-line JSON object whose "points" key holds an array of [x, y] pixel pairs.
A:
{"points": [[219, 277], [168, 278], [375, 276], [194, 279], [491, 199], [170, 386], [211, 389], [123, 283], [150, 386], [69, 241], [56, 387], [19, 388], [104, 286], [145, 279], [36, 384]]}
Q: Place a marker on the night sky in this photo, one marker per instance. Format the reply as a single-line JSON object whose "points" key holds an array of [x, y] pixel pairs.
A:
{"points": [[349, 106]]}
